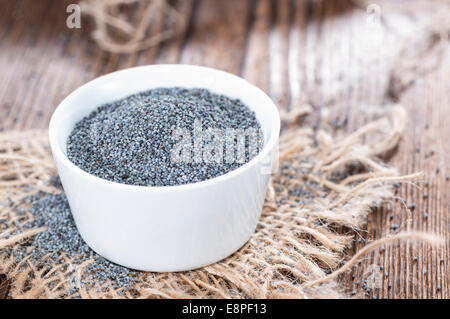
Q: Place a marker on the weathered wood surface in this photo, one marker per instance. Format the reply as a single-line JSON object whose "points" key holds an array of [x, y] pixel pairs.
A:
{"points": [[317, 52]]}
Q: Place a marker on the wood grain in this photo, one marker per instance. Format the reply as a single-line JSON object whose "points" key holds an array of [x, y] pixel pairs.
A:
{"points": [[299, 52]]}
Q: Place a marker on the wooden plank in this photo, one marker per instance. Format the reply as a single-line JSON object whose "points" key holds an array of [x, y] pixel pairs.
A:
{"points": [[218, 35], [256, 63], [279, 54], [171, 50], [16, 77], [297, 51], [296, 56], [404, 278]]}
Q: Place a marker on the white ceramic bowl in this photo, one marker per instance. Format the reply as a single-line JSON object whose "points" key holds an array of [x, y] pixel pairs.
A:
{"points": [[171, 228]]}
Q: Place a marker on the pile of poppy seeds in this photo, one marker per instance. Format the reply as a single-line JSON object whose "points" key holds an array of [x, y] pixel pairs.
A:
{"points": [[130, 141], [47, 250]]}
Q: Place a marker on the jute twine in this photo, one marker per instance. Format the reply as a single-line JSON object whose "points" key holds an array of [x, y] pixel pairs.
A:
{"points": [[152, 22], [297, 251]]}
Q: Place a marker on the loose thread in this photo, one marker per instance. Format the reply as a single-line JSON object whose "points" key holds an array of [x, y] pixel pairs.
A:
{"points": [[430, 238]]}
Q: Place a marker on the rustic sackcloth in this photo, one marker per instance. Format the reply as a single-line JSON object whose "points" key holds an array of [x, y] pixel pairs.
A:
{"points": [[297, 251]]}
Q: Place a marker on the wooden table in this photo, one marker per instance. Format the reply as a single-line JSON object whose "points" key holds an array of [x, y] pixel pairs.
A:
{"points": [[316, 52]]}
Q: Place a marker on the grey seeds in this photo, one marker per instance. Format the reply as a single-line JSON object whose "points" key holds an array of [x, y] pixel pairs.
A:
{"points": [[166, 136], [47, 249]]}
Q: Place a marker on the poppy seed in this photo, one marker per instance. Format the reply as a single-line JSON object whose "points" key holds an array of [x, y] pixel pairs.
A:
{"points": [[133, 140]]}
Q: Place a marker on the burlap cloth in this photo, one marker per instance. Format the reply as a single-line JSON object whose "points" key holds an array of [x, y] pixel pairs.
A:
{"points": [[298, 249]]}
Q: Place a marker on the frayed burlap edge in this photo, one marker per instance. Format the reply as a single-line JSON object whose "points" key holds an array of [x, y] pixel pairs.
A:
{"points": [[322, 192]]}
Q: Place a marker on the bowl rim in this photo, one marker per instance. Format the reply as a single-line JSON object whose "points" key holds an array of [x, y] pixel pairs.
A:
{"points": [[59, 153]]}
